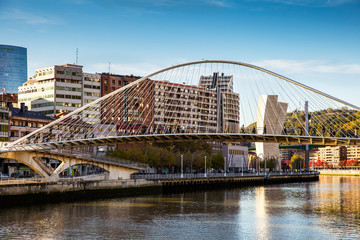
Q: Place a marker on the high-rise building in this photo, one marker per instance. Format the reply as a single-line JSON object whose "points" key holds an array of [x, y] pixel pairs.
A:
{"points": [[13, 67], [228, 101]]}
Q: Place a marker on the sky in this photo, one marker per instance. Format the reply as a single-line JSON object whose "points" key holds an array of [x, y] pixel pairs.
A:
{"points": [[315, 42]]}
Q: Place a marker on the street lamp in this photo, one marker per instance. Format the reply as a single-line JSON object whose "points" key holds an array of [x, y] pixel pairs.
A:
{"points": [[182, 162], [205, 167]]}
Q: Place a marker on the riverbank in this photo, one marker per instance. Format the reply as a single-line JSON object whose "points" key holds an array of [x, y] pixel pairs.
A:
{"points": [[340, 172], [79, 190], [73, 190]]}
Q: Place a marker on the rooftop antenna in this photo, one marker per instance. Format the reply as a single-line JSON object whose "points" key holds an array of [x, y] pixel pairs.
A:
{"points": [[77, 56]]}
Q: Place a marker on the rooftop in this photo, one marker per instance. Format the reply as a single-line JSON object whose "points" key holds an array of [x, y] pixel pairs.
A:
{"points": [[16, 112]]}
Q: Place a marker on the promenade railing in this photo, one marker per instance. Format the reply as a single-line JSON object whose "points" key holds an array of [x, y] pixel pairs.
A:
{"points": [[215, 175]]}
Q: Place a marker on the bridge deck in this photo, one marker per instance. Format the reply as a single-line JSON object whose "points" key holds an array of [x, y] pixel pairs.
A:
{"points": [[182, 137]]}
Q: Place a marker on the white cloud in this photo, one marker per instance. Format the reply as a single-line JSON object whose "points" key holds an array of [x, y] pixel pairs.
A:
{"points": [[282, 66], [28, 17]]}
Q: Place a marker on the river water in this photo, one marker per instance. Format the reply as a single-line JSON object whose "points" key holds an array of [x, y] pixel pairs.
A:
{"points": [[328, 209]]}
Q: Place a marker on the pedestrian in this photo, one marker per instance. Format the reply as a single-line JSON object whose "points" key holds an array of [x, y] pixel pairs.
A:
{"points": [[243, 129], [264, 129]]}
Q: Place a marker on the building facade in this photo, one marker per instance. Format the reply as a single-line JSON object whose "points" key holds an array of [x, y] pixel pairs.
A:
{"points": [[228, 115], [270, 120], [4, 122], [180, 107], [111, 82], [237, 159], [61, 89], [91, 88], [336, 154], [23, 121], [13, 67]]}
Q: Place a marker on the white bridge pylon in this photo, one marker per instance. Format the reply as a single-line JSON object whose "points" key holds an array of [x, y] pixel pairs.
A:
{"points": [[211, 100]]}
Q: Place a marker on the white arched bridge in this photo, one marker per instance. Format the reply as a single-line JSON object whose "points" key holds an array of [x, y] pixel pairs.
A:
{"points": [[211, 100]]}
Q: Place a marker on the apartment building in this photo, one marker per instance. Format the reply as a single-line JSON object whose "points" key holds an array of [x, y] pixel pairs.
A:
{"points": [[60, 89], [181, 107], [23, 121], [333, 155], [111, 82], [228, 101]]}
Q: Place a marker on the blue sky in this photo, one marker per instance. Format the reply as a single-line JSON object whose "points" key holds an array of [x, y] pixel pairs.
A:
{"points": [[316, 42]]}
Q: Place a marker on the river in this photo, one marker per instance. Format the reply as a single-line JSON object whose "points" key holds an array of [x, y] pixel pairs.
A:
{"points": [[327, 209]]}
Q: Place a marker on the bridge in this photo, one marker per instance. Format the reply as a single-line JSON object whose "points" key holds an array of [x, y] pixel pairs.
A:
{"points": [[211, 100]]}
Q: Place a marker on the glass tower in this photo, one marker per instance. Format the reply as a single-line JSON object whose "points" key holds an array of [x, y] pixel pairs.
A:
{"points": [[13, 67]]}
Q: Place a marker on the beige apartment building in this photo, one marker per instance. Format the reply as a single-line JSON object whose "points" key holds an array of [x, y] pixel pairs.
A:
{"points": [[335, 154], [60, 89]]}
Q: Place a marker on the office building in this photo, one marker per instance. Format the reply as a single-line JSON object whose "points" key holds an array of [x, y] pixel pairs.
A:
{"points": [[13, 67], [59, 89]]}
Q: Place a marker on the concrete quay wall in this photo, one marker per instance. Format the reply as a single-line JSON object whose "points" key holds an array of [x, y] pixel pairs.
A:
{"points": [[63, 191], [44, 192], [223, 182]]}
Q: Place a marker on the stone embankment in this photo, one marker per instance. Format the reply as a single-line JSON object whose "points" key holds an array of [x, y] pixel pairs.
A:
{"points": [[20, 193]]}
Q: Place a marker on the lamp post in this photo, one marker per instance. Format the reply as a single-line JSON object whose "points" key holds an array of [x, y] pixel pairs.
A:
{"points": [[182, 171], [205, 167]]}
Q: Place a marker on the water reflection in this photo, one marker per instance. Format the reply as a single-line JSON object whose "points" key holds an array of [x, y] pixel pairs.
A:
{"points": [[325, 209]]}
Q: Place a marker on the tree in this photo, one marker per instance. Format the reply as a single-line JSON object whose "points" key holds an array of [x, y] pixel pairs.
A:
{"points": [[217, 161], [271, 163], [296, 161]]}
